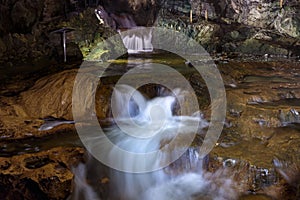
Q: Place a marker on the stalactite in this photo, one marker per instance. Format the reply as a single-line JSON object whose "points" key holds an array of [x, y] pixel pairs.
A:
{"points": [[281, 3]]}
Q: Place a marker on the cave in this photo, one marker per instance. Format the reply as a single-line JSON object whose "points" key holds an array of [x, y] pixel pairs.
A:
{"points": [[150, 99]]}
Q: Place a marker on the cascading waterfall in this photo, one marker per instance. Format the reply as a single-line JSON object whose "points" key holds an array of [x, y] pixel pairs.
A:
{"points": [[145, 126], [158, 124], [82, 189], [137, 40]]}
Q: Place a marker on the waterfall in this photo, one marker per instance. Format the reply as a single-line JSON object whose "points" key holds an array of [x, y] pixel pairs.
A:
{"points": [[137, 40], [151, 122], [82, 190], [145, 125]]}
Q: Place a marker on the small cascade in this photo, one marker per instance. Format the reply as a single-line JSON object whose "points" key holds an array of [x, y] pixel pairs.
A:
{"points": [[137, 40], [126, 105], [148, 125], [143, 126], [82, 189]]}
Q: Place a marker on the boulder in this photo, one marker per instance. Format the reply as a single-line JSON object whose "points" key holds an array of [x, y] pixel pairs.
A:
{"points": [[50, 96]]}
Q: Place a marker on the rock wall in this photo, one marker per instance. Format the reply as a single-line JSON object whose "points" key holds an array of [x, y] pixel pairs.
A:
{"points": [[44, 175], [26, 27], [261, 14], [231, 26], [26, 30], [247, 27], [144, 12]]}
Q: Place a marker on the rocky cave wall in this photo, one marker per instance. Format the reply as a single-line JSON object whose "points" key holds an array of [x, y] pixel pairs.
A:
{"points": [[26, 29], [233, 26], [248, 27]]}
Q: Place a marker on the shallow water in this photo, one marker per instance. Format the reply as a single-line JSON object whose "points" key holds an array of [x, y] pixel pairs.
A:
{"points": [[261, 125], [10, 148], [253, 137]]}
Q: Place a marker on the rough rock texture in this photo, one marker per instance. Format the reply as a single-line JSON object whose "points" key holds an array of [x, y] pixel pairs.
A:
{"points": [[244, 27], [266, 26], [43, 175], [262, 97], [263, 14], [262, 123], [50, 96], [53, 96], [26, 31], [144, 12]]}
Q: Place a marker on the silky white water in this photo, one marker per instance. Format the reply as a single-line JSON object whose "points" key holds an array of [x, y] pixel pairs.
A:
{"points": [[146, 125], [137, 40]]}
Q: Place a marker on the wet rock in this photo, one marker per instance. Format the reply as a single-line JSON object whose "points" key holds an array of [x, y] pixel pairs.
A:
{"points": [[290, 116], [50, 180], [290, 172], [267, 99], [260, 138], [51, 96], [36, 162], [250, 176], [4, 165], [200, 89], [55, 188], [102, 102], [16, 123], [263, 136], [13, 187]]}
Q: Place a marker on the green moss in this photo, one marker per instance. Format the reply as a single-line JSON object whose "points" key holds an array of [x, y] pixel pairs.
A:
{"points": [[96, 55]]}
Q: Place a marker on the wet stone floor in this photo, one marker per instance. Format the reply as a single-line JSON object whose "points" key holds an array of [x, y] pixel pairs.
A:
{"points": [[259, 145]]}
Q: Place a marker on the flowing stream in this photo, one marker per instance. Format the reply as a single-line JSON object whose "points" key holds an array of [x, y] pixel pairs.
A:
{"points": [[259, 146], [161, 146], [147, 125]]}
